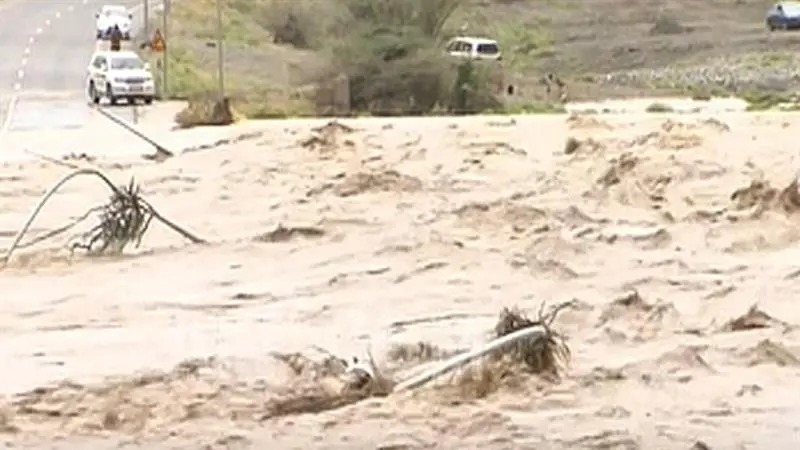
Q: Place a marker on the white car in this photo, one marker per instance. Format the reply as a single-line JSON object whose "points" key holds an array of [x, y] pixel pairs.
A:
{"points": [[119, 75], [111, 15], [474, 48]]}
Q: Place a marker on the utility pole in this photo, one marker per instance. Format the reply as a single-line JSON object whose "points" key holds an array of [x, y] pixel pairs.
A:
{"points": [[165, 55], [146, 24], [220, 52]]}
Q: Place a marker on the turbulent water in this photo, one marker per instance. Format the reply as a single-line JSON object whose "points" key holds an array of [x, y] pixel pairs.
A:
{"points": [[674, 237]]}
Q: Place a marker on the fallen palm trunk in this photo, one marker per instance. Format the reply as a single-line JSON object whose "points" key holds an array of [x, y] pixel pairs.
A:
{"points": [[364, 379], [533, 332]]}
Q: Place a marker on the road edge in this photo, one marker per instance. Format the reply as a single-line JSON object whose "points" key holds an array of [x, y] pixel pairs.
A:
{"points": [[8, 3], [5, 114]]}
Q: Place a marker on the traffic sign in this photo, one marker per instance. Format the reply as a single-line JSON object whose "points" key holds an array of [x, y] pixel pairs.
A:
{"points": [[157, 43]]}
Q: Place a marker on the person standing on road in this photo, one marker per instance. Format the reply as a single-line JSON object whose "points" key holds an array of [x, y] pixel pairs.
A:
{"points": [[116, 39]]}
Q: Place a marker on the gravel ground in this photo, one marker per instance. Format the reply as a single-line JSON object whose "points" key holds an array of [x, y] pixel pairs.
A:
{"points": [[775, 73]]}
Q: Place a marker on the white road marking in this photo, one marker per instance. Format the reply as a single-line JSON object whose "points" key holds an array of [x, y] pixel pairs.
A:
{"points": [[9, 114], [27, 51], [38, 31], [47, 23], [31, 40], [20, 74], [24, 62], [58, 14], [17, 86], [85, 1]]}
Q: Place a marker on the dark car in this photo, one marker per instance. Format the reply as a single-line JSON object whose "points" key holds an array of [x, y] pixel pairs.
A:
{"points": [[784, 16]]}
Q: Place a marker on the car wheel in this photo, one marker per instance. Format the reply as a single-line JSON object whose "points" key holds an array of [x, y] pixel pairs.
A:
{"points": [[93, 96], [148, 100], [110, 94]]}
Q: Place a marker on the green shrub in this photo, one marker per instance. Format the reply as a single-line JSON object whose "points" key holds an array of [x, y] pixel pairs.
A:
{"points": [[659, 108], [395, 65]]}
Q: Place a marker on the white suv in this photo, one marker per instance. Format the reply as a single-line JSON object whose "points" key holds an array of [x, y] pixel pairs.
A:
{"points": [[117, 75], [474, 48]]}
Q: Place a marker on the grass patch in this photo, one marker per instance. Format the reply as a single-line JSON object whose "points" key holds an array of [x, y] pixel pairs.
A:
{"points": [[706, 92], [186, 78], [524, 44], [772, 59], [765, 100], [769, 60], [533, 108]]}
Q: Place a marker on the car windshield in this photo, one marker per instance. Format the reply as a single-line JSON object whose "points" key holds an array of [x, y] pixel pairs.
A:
{"points": [[126, 62], [488, 49]]}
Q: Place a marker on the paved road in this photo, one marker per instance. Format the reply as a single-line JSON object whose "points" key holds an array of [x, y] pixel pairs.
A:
{"points": [[46, 45]]}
